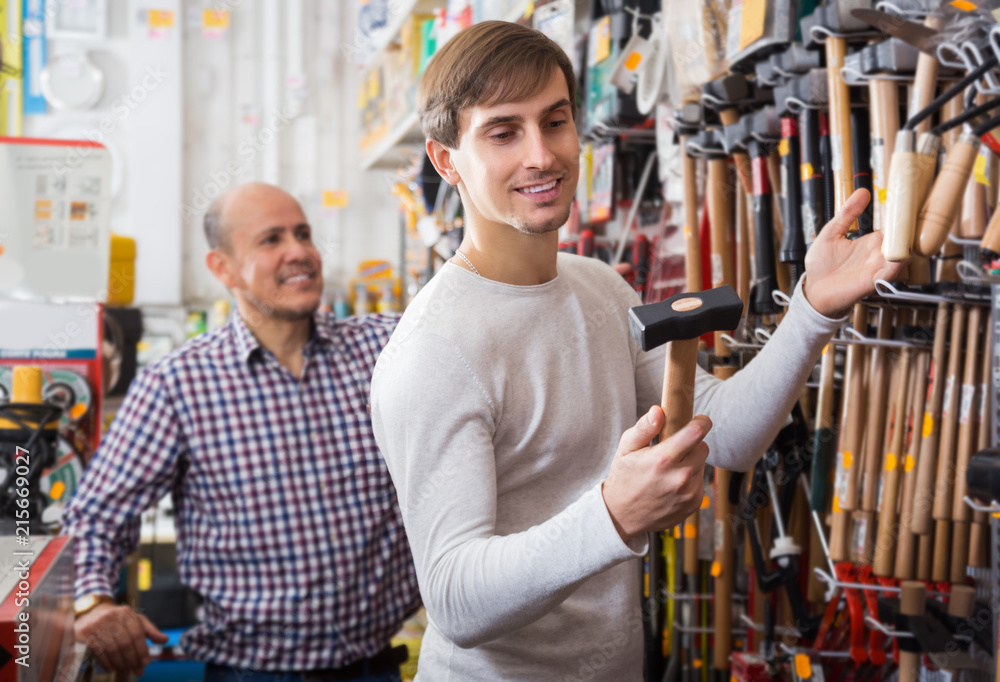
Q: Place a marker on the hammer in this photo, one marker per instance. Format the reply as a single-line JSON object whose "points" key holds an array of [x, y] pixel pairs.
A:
{"points": [[678, 322]]}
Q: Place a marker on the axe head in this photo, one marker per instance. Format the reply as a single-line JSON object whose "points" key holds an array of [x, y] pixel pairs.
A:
{"points": [[685, 316]]}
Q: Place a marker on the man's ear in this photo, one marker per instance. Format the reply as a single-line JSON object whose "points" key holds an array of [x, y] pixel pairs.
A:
{"points": [[220, 265], [440, 156]]}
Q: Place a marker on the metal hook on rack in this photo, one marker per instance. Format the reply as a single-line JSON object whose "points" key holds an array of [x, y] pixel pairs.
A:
{"points": [[795, 105], [821, 33], [781, 298], [863, 340], [889, 291], [732, 344], [825, 577], [778, 629], [762, 335], [850, 74], [962, 242], [822, 654], [946, 47], [884, 629], [993, 508], [973, 58]]}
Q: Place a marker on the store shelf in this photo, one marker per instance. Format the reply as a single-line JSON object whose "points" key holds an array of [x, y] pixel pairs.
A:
{"points": [[400, 12], [385, 153]]}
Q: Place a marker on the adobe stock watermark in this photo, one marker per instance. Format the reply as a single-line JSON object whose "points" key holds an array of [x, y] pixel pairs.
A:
{"points": [[246, 152]]}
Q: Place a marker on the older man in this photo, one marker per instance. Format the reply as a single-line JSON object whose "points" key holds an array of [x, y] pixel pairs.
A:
{"points": [[287, 521]]}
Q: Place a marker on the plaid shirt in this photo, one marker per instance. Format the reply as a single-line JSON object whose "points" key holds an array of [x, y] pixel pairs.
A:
{"points": [[287, 520]]}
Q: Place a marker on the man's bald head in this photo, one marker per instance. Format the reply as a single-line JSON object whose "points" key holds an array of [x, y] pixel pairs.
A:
{"points": [[218, 219]]}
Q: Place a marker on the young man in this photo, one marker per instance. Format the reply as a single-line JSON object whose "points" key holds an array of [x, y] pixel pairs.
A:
{"points": [[287, 522], [506, 402]]}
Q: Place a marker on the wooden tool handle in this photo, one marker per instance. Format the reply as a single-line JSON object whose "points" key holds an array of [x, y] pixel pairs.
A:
{"points": [[855, 401], [840, 122], [692, 263], [973, 212], [740, 159], [876, 414], [945, 198], [959, 553], [906, 549], [944, 482], [912, 602], [923, 499], [925, 78], [885, 543], [678, 408], [960, 511], [743, 243], [941, 562], [901, 209], [884, 97], [722, 566], [991, 238]]}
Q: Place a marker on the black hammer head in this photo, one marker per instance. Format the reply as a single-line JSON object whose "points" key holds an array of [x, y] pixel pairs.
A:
{"points": [[685, 316], [983, 476]]}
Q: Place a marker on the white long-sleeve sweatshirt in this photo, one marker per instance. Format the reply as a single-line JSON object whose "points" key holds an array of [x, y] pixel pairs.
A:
{"points": [[498, 410]]}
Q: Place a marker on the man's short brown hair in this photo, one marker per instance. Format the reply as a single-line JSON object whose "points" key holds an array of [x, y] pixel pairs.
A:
{"points": [[490, 63]]}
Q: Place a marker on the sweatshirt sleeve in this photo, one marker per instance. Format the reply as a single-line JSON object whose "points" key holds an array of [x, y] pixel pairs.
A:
{"points": [[434, 423], [748, 410]]}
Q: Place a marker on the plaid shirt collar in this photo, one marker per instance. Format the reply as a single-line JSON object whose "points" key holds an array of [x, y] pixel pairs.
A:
{"points": [[246, 343]]}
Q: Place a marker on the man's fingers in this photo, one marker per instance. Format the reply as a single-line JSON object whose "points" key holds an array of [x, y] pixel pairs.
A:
{"points": [[153, 632], [845, 217], [645, 430], [137, 639], [682, 446]]}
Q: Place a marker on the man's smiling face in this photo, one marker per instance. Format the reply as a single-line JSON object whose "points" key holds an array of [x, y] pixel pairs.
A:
{"points": [[518, 162]]}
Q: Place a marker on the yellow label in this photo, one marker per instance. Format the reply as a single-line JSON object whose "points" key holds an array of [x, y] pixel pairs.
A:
{"points": [[825, 349], [58, 490], [698, 663], [848, 459], [687, 232], [161, 18], [806, 171], [909, 463], [145, 571], [632, 63], [979, 170], [783, 147], [603, 50], [752, 21], [335, 198], [891, 461], [716, 569], [217, 19], [705, 502], [690, 530], [837, 509], [78, 410], [928, 425], [803, 667], [529, 9], [677, 532], [963, 5], [882, 194], [373, 86]]}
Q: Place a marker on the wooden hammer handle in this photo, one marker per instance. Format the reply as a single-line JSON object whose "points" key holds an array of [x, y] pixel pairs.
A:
{"points": [[944, 482], [840, 122], [720, 217], [885, 542], [692, 264], [923, 499], [911, 603], [722, 566], [906, 549]]}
